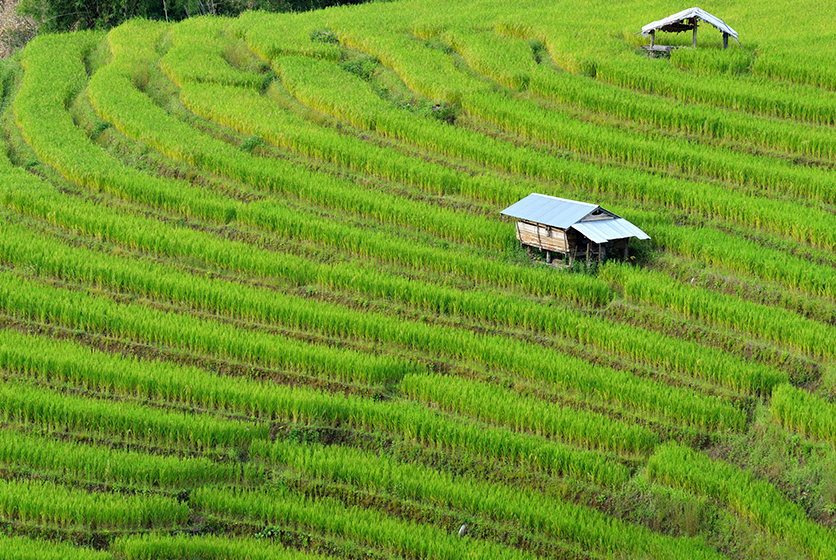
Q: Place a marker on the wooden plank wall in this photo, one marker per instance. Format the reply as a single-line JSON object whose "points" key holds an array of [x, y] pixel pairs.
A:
{"points": [[548, 239]]}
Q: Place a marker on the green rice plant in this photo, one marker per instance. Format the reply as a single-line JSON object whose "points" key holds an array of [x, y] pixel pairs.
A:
{"points": [[696, 118], [533, 511], [340, 149], [197, 54], [34, 199], [23, 548], [54, 361], [763, 175], [709, 245], [206, 547], [368, 527], [652, 348], [199, 62], [776, 99], [26, 251], [773, 41], [79, 311], [250, 113], [96, 463], [760, 321], [711, 61], [498, 405], [803, 412], [510, 62], [134, 114], [45, 503], [755, 499], [40, 112], [552, 127], [68, 256], [742, 256], [187, 200], [798, 66], [246, 302], [313, 83], [298, 35], [50, 409], [638, 344], [565, 373], [43, 120], [419, 67]]}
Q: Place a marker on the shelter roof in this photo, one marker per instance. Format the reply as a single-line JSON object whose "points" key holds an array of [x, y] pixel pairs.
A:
{"points": [[563, 214], [549, 210], [674, 22], [601, 231]]}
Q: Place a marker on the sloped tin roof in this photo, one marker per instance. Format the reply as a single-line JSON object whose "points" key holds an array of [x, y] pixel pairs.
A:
{"points": [[563, 214], [549, 210], [687, 14], [601, 231]]}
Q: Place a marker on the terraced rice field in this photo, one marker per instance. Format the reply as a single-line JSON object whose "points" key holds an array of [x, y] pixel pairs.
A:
{"points": [[257, 300]]}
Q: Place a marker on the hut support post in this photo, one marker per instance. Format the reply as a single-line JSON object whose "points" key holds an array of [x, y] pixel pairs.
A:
{"points": [[725, 40], [599, 253], [652, 37], [694, 40], [549, 257], [626, 246]]}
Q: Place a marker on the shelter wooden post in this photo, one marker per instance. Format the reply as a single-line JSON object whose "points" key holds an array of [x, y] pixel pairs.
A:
{"points": [[549, 257], [694, 40], [725, 40], [652, 37]]}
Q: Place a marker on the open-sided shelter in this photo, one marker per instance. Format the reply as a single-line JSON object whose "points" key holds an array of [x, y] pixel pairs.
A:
{"points": [[573, 228], [686, 20]]}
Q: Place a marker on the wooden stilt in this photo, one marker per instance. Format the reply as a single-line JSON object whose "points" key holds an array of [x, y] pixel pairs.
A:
{"points": [[725, 40], [694, 40], [549, 257], [652, 37]]}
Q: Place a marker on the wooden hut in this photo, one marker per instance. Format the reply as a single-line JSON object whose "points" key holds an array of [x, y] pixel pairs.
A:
{"points": [[686, 20], [572, 228]]}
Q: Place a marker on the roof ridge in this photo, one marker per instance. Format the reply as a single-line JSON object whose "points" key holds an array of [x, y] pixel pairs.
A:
{"points": [[566, 199]]}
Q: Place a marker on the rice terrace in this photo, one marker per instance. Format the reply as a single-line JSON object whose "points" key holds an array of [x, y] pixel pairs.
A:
{"points": [[258, 298]]}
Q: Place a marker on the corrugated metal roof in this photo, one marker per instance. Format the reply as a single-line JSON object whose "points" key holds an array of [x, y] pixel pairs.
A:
{"points": [[601, 231], [687, 14], [564, 214], [549, 210]]}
